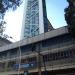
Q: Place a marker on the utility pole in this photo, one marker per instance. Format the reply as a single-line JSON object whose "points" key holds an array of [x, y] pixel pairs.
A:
{"points": [[39, 60], [19, 59]]}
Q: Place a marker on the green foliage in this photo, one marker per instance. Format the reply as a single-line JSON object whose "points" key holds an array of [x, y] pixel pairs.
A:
{"points": [[2, 27], [4, 6], [70, 17]]}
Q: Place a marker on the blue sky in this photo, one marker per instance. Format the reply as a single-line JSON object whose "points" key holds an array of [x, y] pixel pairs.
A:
{"points": [[55, 13]]}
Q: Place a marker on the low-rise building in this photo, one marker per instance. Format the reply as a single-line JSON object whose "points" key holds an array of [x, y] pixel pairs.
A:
{"points": [[52, 53]]}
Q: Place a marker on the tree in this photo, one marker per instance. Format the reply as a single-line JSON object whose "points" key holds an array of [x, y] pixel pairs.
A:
{"points": [[70, 16], [2, 27], [4, 6]]}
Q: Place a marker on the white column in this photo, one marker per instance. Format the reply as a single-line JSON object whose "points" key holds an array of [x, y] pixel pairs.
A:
{"points": [[41, 21], [24, 17]]}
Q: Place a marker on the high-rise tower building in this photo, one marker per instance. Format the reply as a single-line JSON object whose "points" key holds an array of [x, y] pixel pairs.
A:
{"points": [[35, 19]]}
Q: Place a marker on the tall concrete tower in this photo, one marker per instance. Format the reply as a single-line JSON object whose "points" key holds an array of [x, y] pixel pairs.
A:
{"points": [[35, 19]]}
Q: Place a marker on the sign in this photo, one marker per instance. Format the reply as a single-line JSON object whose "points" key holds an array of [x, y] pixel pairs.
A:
{"points": [[23, 65]]}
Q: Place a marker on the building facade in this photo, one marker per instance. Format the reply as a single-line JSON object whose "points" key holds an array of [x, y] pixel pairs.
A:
{"points": [[35, 19], [57, 55]]}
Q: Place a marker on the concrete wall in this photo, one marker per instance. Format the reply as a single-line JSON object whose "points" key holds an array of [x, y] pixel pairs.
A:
{"points": [[47, 35]]}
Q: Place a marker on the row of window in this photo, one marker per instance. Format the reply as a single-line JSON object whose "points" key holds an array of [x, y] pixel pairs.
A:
{"points": [[55, 56], [46, 43], [58, 41], [24, 49], [48, 57], [59, 55]]}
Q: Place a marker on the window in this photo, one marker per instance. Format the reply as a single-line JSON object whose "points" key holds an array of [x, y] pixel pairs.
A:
{"points": [[59, 55], [13, 53], [57, 42], [26, 48], [3, 55], [33, 59]]}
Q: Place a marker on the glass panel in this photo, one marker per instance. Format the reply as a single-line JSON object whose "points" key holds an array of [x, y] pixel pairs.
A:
{"points": [[32, 18]]}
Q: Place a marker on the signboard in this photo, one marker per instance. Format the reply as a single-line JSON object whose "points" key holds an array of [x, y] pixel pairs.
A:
{"points": [[23, 65]]}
